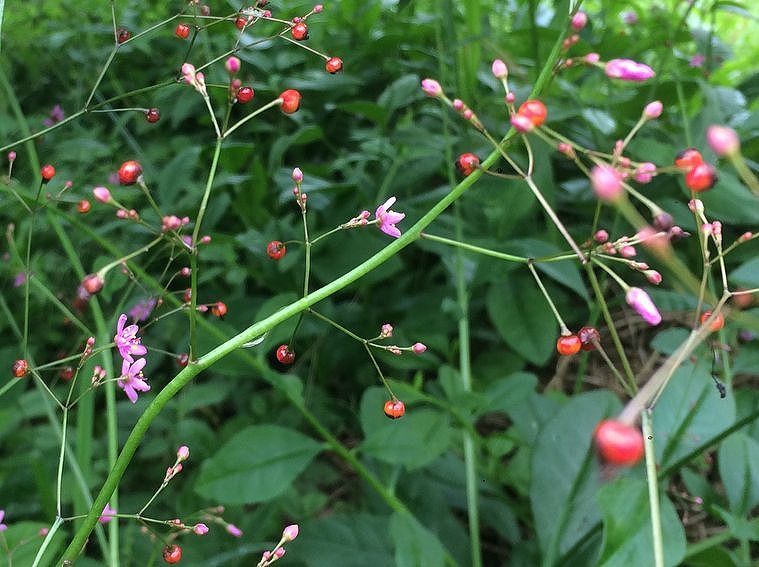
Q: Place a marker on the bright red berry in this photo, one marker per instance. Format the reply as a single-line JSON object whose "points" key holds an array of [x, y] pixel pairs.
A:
{"points": [[290, 101], [241, 22], [534, 110], [334, 65], [152, 115], [587, 335], [394, 409], [568, 345], [244, 95], [299, 31], [83, 206], [20, 368], [285, 355], [123, 35], [276, 250], [219, 309], [701, 178], [619, 444], [47, 172], [182, 31], [183, 359], [688, 159], [172, 553], [717, 324], [467, 163], [67, 373], [129, 172]]}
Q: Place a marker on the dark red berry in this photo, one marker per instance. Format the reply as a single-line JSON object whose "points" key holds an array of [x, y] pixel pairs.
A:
{"points": [[688, 159], [172, 553], [152, 115], [182, 31], [187, 297], [534, 110], [83, 206], [285, 355], [394, 409], [618, 444], [467, 163], [701, 178], [47, 172], [244, 95], [20, 368], [299, 31], [587, 336], [67, 373], [276, 250], [219, 309], [568, 345], [717, 324], [129, 172], [93, 283], [183, 359], [290, 101], [123, 35], [241, 22], [334, 65]]}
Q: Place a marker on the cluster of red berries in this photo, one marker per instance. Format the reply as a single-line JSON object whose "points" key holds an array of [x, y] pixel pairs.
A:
{"points": [[699, 175], [585, 339], [618, 443]]}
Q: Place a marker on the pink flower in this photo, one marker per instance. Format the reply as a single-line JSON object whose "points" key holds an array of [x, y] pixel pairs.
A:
{"points": [[297, 175], [56, 115], [601, 236], [630, 18], [107, 515], [127, 341], [132, 379], [20, 279], [522, 124], [387, 219], [431, 87], [697, 60], [419, 348], [12, 156], [653, 110], [653, 276], [183, 453], [645, 172], [200, 529], [607, 182], [142, 309], [102, 194], [234, 530], [3, 527], [579, 21], [642, 303], [290, 532], [592, 58], [628, 70], [232, 65], [499, 69], [723, 140]]}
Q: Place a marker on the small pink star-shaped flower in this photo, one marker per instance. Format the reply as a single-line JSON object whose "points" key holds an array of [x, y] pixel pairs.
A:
{"points": [[127, 341], [387, 219], [132, 380]]}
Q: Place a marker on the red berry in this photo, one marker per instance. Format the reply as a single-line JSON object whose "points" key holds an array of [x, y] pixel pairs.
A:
{"points": [[187, 297], [290, 101], [334, 65], [172, 553], [67, 373], [394, 409], [299, 31], [92, 283], [276, 250], [568, 345], [688, 159], [467, 163], [183, 359], [123, 35], [241, 22], [152, 115], [47, 172], [717, 324], [619, 444], [129, 172], [285, 355], [20, 368], [587, 335], [182, 31], [244, 94], [83, 206], [701, 178], [534, 110], [219, 309]]}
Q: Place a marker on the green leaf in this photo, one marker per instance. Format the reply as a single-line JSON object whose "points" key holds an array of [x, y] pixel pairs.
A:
{"points": [[256, 465], [747, 274], [565, 272], [415, 545], [24, 539], [668, 340], [739, 470]]}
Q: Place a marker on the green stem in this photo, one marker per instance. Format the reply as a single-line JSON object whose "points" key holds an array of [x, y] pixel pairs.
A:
{"points": [[564, 330], [653, 488], [476, 249], [48, 538]]}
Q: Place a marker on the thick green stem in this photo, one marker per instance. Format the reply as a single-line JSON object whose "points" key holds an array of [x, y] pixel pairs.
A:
{"points": [[653, 488]]}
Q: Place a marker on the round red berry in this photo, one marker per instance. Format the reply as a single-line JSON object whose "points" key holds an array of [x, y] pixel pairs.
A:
{"points": [[568, 345], [618, 444], [467, 163], [244, 95], [92, 283], [394, 409], [187, 297], [587, 336], [241, 22], [183, 359], [20, 368], [276, 250], [47, 172], [299, 31], [123, 35], [83, 206], [172, 553], [534, 110], [182, 31], [67, 373], [701, 178], [285, 355], [717, 324], [129, 172], [688, 159], [290, 101], [152, 115], [334, 65], [219, 309]]}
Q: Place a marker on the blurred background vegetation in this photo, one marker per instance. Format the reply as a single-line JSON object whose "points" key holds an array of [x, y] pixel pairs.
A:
{"points": [[360, 137]]}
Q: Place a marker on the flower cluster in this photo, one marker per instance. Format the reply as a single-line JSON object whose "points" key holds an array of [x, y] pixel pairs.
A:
{"points": [[129, 345]]}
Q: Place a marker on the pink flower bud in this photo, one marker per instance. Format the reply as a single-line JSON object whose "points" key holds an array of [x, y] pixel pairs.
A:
{"points": [[290, 532], [653, 276], [696, 206], [171, 222], [607, 182], [601, 236], [183, 453], [234, 530], [628, 70], [653, 110], [386, 331], [431, 87], [419, 348], [663, 221], [11, 156], [628, 252], [93, 283], [592, 58], [232, 65], [645, 172], [200, 529], [279, 553], [318, 8], [723, 140], [566, 149], [102, 194], [205, 239], [458, 104], [499, 69], [579, 21], [746, 236], [522, 123], [643, 305], [297, 175], [510, 98]]}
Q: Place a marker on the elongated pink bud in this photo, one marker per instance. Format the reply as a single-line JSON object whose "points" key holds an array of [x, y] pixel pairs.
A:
{"points": [[639, 300]]}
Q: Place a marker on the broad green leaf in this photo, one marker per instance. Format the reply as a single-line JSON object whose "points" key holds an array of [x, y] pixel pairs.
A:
{"points": [[24, 539], [739, 470], [747, 274], [668, 340], [415, 545], [256, 465]]}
